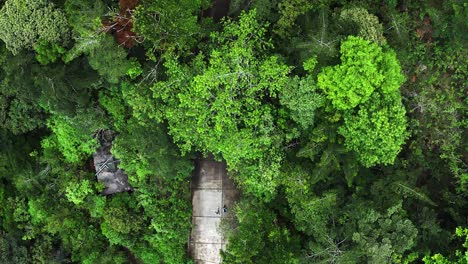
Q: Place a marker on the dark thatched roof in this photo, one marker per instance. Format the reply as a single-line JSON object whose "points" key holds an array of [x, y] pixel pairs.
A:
{"points": [[107, 170]]}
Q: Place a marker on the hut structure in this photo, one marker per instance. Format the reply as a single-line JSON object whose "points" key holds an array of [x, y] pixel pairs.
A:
{"points": [[107, 170]]}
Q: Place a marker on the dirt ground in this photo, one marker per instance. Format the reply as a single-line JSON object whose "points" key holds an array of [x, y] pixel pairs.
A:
{"points": [[212, 190]]}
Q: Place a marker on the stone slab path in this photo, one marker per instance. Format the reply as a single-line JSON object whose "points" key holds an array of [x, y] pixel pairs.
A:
{"points": [[211, 191]]}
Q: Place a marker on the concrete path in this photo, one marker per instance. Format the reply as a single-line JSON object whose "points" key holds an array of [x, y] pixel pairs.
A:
{"points": [[211, 191]]}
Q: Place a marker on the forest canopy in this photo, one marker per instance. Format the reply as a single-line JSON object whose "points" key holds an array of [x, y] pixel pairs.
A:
{"points": [[341, 123]]}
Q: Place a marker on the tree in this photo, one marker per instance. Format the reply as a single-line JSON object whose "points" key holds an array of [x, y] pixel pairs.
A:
{"points": [[73, 136], [11, 249], [301, 98], [76, 192], [167, 24], [379, 237], [19, 108], [64, 89], [376, 131], [364, 90], [121, 222], [169, 210], [104, 55], [160, 178], [47, 53], [257, 228], [320, 37], [109, 59], [436, 105], [289, 10], [16, 116], [366, 25], [85, 20], [364, 68], [311, 211], [28, 22], [221, 106], [142, 159], [112, 101], [82, 14], [461, 257]]}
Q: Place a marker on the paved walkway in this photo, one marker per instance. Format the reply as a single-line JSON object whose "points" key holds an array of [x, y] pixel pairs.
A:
{"points": [[211, 191]]}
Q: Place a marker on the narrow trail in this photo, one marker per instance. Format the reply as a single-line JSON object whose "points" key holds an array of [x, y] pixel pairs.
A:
{"points": [[212, 193]]}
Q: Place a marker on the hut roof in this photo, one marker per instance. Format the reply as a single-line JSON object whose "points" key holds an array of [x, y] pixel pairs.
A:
{"points": [[107, 172]]}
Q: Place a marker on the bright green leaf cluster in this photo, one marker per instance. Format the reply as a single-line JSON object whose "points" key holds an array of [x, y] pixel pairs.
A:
{"points": [[364, 68], [376, 131], [73, 136], [48, 53], [299, 95], [364, 89], [76, 192]]}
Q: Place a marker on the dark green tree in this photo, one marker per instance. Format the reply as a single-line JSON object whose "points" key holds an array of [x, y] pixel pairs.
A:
{"points": [[365, 25], [19, 108], [259, 229], [167, 25], [379, 237]]}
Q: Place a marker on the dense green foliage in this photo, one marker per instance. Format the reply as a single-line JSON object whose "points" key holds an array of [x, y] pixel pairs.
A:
{"points": [[342, 123], [257, 229], [219, 107], [168, 24], [366, 25], [29, 22], [364, 69]]}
